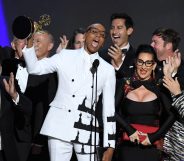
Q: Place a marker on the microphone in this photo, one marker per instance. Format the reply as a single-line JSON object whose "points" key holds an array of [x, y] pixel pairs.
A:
{"points": [[94, 66], [93, 69]]}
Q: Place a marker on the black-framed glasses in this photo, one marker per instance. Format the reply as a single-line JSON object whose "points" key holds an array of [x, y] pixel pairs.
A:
{"points": [[147, 63], [95, 31]]}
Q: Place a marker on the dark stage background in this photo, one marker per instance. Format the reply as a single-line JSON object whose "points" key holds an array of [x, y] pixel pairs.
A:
{"points": [[67, 15]]}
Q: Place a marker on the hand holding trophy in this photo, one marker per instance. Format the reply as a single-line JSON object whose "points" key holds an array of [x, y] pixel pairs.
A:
{"points": [[23, 27]]}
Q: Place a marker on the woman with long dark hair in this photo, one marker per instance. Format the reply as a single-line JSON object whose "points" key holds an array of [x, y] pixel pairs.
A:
{"points": [[140, 106]]}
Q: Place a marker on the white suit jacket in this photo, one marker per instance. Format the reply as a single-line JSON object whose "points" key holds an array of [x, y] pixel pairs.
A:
{"points": [[70, 114]]}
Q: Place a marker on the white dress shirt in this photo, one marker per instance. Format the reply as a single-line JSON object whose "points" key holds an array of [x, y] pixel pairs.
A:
{"points": [[22, 77]]}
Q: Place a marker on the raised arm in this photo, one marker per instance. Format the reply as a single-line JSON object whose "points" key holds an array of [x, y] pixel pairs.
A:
{"points": [[43, 66]]}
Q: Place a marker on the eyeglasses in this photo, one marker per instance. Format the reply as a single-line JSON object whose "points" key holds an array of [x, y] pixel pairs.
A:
{"points": [[95, 31], [147, 63]]}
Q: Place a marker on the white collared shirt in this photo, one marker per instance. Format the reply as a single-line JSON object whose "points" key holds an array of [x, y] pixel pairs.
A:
{"points": [[22, 77], [92, 57]]}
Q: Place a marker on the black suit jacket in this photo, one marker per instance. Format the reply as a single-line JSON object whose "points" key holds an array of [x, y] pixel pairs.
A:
{"points": [[9, 65], [5, 53], [180, 73], [41, 91], [15, 126], [127, 67], [126, 70]]}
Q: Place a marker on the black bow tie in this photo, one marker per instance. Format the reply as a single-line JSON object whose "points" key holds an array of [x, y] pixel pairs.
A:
{"points": [[124, 51], [21, 63]]}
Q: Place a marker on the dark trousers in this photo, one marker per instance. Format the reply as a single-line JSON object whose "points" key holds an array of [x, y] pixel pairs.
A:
{"points": [[43, 154], [2, 157]]}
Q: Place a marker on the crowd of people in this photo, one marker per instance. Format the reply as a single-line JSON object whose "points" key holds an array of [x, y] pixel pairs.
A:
{"points": [[63, 107]]}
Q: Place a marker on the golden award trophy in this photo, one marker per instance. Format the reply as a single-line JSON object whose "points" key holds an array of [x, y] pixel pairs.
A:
{"points": [[23, 27]]}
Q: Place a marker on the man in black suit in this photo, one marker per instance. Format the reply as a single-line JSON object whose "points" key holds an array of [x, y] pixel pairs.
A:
{"points": [[15, 52], [121, 53], [5, 52], [40, 89], [15, 129], [166, 41]]}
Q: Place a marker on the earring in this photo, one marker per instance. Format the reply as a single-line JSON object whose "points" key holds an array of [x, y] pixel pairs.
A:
{"points": [[153, 74]]}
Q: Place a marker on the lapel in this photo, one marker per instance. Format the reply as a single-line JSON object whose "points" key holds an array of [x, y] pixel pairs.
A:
{"points": [[104, 54], [9, 65], [130, 55]]}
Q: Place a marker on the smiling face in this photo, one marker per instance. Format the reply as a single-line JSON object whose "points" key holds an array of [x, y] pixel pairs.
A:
{"points": [[119, 32], [42, 43], [145, 65], [94, 38], [160, 47]]}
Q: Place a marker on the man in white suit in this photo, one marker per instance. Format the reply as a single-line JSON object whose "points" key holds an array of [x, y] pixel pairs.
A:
{"points": [[70, 121]]}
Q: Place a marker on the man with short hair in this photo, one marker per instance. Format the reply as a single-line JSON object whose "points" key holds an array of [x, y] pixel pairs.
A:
{"points": [[39, 89], [15, 128], [43, 43], [121, 53], [70, 121], [166, 41]]}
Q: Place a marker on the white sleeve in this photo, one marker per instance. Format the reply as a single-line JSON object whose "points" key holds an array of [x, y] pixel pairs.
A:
{"points": [[39, 67], [108, 113]]}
